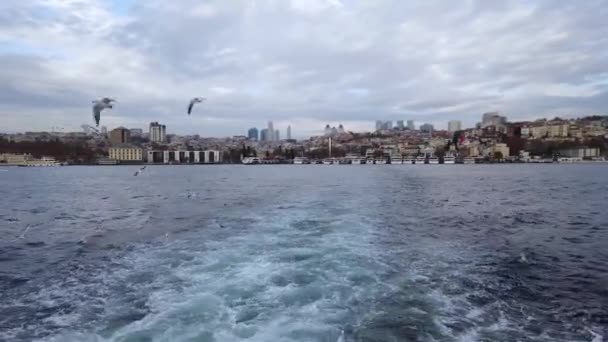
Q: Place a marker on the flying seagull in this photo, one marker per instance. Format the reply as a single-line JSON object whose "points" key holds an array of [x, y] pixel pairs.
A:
{"points": [[193, 101], [139, 171], [99, 105]]}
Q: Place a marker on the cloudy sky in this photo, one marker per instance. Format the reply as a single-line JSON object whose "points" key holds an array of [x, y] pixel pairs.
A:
{"points": [[299, 62]]}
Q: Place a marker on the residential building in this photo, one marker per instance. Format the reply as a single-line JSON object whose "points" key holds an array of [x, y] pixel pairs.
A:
{"points": [[400, 124], [252, 134], [119, 136], [126, 153], [558, 130], [538, 131], [501, 148], [410, 125], [289, 132], [158, 132], [454, 126]]}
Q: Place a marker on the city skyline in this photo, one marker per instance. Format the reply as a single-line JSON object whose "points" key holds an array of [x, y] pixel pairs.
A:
{"points": [[524, 59]]}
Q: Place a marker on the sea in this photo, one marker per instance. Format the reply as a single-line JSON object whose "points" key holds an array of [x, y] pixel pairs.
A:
{"points": [[304, 253]]}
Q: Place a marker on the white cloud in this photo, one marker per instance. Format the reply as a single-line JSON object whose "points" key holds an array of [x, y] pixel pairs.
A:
{"points": [[306, 62]]}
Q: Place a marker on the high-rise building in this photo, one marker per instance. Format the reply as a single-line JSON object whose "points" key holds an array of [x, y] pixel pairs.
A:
{"points": [[252, 134], [119, 136], [158, 132], [400, 124], [493, 119], [327, 130], [340, 129], [271, 134], [410, 125], [277, 135], [104, 130], [289, 132], [379, 125], [264, 134], [388, 125], [136, 132], [454, 126], [427, 128]]}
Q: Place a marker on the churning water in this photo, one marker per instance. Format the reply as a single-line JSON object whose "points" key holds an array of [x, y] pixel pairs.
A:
{"points": [[305, 253]]}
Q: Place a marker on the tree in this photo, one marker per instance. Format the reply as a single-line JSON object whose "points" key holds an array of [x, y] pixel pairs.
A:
{"points": [[498, 155]]}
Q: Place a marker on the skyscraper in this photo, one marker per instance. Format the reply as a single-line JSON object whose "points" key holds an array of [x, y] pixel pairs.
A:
{"points": [[400, 124], [379, 125], [270, 135], [427, 128], [252, 134], [104, 130], [158, 132], [289, 132], [410, 125], [454, 126], [388, 125], [340, 129], [327, 130], [277, 135], [264, 134]]}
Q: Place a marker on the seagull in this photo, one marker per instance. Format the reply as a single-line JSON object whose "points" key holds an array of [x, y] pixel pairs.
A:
{"points": [[23, 233], [193, 101], [139, 171], [99, 105]]}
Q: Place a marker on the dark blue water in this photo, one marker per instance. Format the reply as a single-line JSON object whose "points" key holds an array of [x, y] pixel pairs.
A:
{"points": [[305, 253]]}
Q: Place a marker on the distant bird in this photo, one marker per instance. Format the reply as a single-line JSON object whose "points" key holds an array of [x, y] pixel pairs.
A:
{"points": [[193, 101], [139, 171], [99, 105], [22, 234]]}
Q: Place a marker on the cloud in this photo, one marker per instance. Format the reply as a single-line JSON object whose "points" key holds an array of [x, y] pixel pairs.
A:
{"points": [[307, 62]]}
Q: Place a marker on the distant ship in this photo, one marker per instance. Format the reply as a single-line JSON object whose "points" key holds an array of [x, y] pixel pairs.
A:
{"points": [[251, 161], [301, 160]]}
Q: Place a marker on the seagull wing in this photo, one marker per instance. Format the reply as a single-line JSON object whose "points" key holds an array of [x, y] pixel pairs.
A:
{"points": [[190, 107], [97, 113]]}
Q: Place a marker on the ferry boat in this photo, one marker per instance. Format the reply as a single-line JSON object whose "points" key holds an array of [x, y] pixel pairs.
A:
{"points": [[43, 162], [468, 160], [301, 160], [449, 160], [358, 161], [380, 161], [251, 161], [433, 160], [420, 160], [329, 161]]}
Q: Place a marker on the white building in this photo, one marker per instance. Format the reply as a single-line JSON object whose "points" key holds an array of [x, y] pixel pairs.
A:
{"points": [[158, 132], [454, 126], [184, 157]]}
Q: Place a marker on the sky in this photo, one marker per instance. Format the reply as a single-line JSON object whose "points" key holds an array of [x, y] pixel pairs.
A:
{"points": [[304, 63]]}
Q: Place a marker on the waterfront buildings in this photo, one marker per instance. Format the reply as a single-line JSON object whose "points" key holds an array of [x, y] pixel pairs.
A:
{"points": [[454, 126], [184, 157], [584, 152], [119, 136], [158, 132], [252, 134], [126, 154]]}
